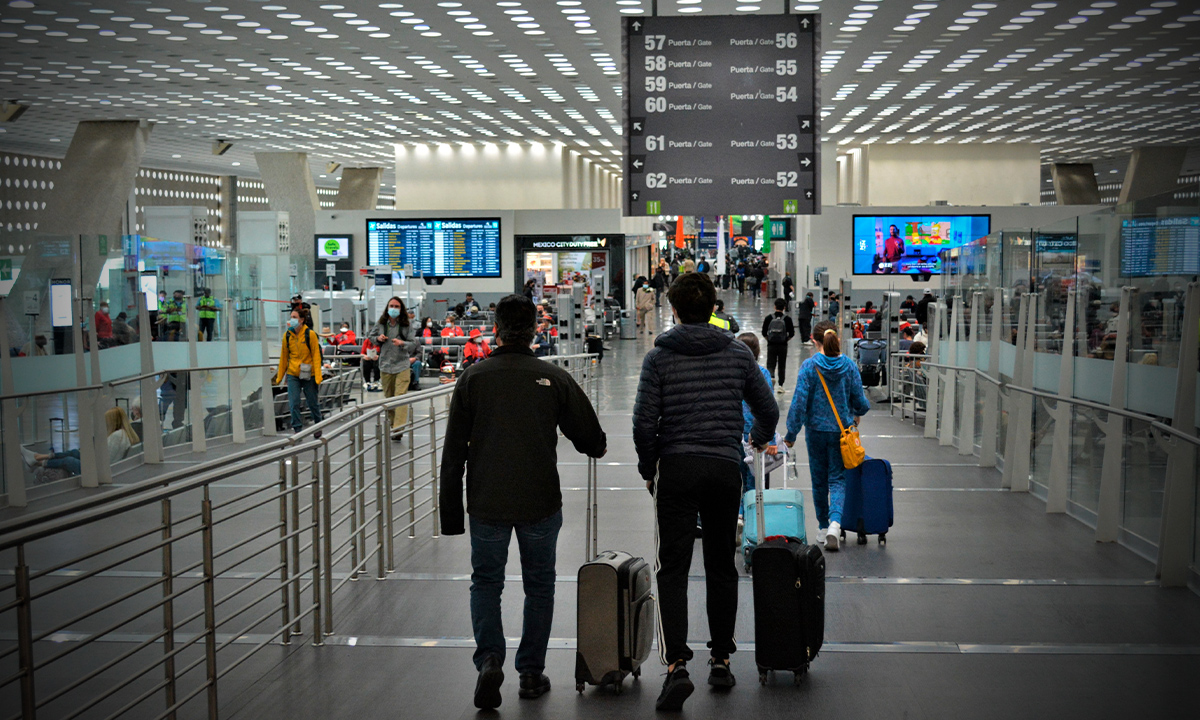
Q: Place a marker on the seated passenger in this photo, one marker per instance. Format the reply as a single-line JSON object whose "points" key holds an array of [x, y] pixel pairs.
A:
{"points": [[344, 336], [475, 350], [451, 328], [469, 305], [429, 330], [541, 341], [121, 436], [906, 338]]}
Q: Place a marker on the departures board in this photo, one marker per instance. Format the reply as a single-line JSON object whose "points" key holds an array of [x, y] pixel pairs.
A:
{"points": [[721, 115]]}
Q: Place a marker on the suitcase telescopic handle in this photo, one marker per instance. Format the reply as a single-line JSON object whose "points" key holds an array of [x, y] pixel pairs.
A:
{"points": [[760, 475], [591, 515]]}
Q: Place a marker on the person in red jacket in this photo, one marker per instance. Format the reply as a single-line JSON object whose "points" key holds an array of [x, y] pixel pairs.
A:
{"points": [[345, 336], [475, 350], [451, 329], [104, 331]]}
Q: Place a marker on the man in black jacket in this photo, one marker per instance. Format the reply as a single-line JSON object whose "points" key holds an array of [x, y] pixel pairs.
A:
{"points": [[922, 309], [805, 315], [512, 486], [777, 330], [687, 428]]}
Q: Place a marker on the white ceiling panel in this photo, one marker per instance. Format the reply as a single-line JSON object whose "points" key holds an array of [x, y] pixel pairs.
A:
{"points": [[346, 80]]}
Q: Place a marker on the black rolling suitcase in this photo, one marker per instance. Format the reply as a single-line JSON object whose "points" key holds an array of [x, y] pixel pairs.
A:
{"points": [[615, 610], [789, 599]]}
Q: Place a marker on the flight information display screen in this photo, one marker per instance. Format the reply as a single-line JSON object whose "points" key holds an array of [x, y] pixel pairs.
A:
{"points": [[1160, 246], [457, 247]]}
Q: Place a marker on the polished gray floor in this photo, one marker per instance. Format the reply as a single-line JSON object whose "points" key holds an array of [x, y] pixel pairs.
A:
{"points": [[980, 606]]}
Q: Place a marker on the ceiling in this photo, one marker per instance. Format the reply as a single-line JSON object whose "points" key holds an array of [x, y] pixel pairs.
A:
{"points": [[345, 80]]}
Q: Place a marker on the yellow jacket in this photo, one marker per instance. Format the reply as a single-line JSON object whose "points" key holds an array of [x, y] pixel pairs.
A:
{"points": [[301, 347]]}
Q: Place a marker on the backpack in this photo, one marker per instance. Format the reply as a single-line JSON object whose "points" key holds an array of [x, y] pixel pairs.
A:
{"points": [[777, 330]]}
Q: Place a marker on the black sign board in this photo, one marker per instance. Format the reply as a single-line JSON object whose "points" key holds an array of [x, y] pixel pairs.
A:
{"points": [[721, 115]]}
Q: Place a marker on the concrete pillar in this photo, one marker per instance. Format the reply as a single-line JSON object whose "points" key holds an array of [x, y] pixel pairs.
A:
{"points": [[1179, 501], [966, 437], [89, 198], [1023, 431], [289, 184], [359, 189], [152, 447], [1108, 510], [195, 398], [1012, 403], [932, 375], [14, 466], [991, 400], [236, 415], [947, 321], [1075, 184], [268, 374], [1060, 458], [1152, 170]]}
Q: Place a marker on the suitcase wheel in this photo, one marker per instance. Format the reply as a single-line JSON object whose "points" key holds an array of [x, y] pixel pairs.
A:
{"points": [[618, 687], [797, 678], [579, 688], [637, 673], [843, 534], [862, 539], [883, 539], [762, 677]]}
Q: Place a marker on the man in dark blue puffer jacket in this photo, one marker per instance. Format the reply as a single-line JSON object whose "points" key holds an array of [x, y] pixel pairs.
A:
{"points": [[687, 427]]}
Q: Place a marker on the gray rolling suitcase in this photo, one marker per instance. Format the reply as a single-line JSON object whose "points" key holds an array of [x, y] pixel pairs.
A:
{"points": [[615, 609]]}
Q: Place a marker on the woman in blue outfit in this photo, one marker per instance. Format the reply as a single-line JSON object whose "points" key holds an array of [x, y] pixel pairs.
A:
{"points": [[811, 408]]}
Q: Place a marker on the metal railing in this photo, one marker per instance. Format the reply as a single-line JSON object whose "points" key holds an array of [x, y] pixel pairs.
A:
{"points": [[186, 577]]}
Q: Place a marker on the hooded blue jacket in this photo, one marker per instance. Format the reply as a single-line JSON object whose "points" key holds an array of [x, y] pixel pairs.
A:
{"points": [[810, 406], [689, 397]]}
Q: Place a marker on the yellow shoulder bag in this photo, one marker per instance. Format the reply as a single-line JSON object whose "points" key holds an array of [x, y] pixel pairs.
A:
{"points": [[853, 454]]}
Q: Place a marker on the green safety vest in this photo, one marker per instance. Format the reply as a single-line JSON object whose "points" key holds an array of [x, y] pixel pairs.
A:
{"points": [[207, 307], [176, 311], [723, 324]]}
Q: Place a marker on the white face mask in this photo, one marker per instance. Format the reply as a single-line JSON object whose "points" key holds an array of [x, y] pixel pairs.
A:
{"points": [[428, 323], [345, 329]]}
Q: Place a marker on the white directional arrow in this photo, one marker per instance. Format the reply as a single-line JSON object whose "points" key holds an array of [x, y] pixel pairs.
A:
{"points": [[637, 25], [808, 194], [637, 126], [637, 163], [804, 23], [805, 125], [806, 162]]}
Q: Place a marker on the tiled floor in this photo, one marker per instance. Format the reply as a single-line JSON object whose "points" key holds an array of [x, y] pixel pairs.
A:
{"points": [[980, 606]]}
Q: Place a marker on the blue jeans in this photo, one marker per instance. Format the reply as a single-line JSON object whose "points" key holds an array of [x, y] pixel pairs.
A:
{"points": [[538, 543], [828, 475], [309, 387], [68, 461]]}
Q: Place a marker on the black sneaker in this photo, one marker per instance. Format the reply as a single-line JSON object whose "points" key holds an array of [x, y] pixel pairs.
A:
{"points": [[676, 688], [487, 687], [719, 674], [533, 686]]}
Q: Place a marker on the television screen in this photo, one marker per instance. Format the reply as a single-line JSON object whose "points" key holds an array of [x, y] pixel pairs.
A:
{"points": [[1160, 246], [449, 247], [909, 244], [333, 247]]}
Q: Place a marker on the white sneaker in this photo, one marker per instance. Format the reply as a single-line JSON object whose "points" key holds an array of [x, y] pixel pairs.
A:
{"points": [[832, 536], [779, 390], [30, 458]]}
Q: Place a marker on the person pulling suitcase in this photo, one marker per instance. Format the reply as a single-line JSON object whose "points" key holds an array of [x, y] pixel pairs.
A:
{"points": [[512, 487]]}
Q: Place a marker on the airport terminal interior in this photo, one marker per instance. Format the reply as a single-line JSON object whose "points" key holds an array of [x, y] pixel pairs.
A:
{"points": [[250, 252]]}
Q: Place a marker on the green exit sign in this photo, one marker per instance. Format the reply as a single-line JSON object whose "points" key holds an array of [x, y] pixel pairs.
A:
{"points": [[654, 207], [5, 269]]}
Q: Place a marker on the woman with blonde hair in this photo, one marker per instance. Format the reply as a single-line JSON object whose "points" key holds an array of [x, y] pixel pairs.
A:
{"points": [[121, 435]]}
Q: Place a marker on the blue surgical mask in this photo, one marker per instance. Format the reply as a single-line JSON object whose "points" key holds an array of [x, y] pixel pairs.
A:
{"points": [[393, 312], [293, 323]]}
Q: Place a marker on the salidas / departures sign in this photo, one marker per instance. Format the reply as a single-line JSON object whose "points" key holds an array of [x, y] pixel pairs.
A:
{"points": [[721, 115]]}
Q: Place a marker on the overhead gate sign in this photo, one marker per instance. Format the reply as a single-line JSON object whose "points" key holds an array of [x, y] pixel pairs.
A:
{"points": [[721, 115]]}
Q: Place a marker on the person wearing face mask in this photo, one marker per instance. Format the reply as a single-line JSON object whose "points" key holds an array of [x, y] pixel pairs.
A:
{"points": [[206, 310], [475, 350], [104, 328], [345, 336], [451, 328], [174, 314], [394, 335], [300, 366]]}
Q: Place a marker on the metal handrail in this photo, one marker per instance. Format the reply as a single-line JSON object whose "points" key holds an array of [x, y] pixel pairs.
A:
{"points": [[108, 384], [1079, 402]]}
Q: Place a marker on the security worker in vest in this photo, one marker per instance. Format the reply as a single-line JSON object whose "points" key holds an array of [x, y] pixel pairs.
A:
{"points": [[174, 314], [207, 312], [722, 319]]}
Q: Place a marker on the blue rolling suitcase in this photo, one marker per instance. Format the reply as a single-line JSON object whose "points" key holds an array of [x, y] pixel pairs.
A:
{"points": [[783, 511], [867, 509]]}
